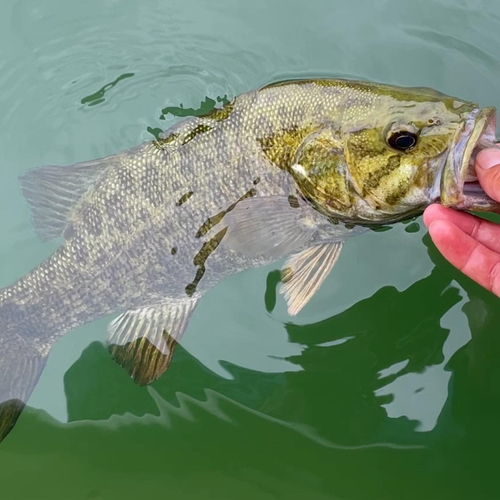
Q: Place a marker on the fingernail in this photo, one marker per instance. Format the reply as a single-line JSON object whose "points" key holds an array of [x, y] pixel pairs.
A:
{"points": [[488, 158]]}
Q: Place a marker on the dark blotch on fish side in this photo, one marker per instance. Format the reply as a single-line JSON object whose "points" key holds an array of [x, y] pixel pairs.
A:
{"points": [[191, 288], [200, 258], [256, 181], [165, 142], [199, 129], [214, 220], [185, 197], [209, 224], [173, 251], [293, 201], [348, 225], [209, 247]]}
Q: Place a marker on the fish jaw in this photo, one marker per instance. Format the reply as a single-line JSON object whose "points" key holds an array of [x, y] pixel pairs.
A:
{"points": [[459, 186]]}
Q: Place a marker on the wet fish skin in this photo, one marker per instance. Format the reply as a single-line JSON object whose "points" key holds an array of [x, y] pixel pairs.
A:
{"points": [[275, 173]]}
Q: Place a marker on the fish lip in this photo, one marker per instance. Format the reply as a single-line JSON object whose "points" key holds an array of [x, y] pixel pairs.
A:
{"points": [[459, 186]]}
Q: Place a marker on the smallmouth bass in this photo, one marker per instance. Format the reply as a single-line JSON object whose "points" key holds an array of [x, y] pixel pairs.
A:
{"points": [[288, 171]]}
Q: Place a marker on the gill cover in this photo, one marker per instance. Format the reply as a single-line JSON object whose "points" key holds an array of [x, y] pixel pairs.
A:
{"points": [[320, 170]]}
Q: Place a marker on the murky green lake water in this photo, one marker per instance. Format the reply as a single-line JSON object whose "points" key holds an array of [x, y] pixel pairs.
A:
{"points": [[386, 386]]}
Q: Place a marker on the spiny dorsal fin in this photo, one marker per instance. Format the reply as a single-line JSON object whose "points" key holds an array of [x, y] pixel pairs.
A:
{"points": [[270, 226], [303, 274], [143, 340], [52, 192]]}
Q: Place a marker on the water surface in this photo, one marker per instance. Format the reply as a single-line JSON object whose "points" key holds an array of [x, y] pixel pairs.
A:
{"points": [[386, 386]]}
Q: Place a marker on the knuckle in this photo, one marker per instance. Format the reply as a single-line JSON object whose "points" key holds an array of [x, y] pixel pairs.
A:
{"points": [[494, 279], [476, 229], [469, 259]]}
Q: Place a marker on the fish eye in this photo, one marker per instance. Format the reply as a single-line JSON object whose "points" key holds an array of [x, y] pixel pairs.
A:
{"points": [[403, 140]]}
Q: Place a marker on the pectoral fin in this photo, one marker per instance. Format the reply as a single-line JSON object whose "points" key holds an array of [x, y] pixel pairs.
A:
{"points": [[52, 193], [270, 226], [303, 274], [143, 340]]}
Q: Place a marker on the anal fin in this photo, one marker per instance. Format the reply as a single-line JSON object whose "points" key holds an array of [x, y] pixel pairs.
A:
{"points": [[304, 272], [143, 340]]}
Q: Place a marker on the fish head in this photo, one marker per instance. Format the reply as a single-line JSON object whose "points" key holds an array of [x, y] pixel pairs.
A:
{"points": [[399, 150]]}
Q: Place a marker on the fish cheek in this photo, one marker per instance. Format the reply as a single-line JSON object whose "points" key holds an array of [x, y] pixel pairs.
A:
{"points": [[385, 178], [428, 157], [369, 160], [433, 145]]}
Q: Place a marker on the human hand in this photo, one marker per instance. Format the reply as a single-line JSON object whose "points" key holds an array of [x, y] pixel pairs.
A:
{"points": [[471, 244]]}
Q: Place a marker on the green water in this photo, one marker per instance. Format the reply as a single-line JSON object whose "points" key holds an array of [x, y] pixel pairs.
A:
{"points": [[386, 386]]}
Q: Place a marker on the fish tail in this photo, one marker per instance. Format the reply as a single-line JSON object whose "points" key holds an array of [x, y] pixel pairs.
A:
{"points": [[22, 359]]}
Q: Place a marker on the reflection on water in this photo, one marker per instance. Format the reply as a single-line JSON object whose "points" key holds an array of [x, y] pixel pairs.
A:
{"points": [[98, 97], [382, 357], [409, 358], [319, 425], [392, 342]]}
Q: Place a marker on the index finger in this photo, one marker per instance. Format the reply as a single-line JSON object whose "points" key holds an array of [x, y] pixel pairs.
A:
{"points": [[466, 254], [486, 232]]}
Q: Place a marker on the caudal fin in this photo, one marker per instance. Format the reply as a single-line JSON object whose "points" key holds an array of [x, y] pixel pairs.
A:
{"points": [[21, 364]]}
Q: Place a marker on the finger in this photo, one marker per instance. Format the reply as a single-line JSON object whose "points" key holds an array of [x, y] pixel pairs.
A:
{"points": [[467, 255], [488, 171], [487, 233]]}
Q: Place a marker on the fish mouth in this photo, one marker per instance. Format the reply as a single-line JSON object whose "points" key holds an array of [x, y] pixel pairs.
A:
{"points": [[459, 185]]}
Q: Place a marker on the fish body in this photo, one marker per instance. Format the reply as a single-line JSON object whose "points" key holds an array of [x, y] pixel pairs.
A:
{"points": [[288, 171]]}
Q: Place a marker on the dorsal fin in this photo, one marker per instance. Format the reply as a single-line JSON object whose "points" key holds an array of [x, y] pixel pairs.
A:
{"points": [[143, 340], [52, 192]]}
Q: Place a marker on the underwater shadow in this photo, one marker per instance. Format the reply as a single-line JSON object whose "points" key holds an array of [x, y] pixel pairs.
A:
{"points": [[350, 365], [349, 358], [338, 382]]}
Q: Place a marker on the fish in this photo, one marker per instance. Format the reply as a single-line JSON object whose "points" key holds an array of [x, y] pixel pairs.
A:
{"points": [[288, 171]]}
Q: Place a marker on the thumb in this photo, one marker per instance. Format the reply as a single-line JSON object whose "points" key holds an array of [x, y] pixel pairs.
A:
{"points": [[488, 171]]}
